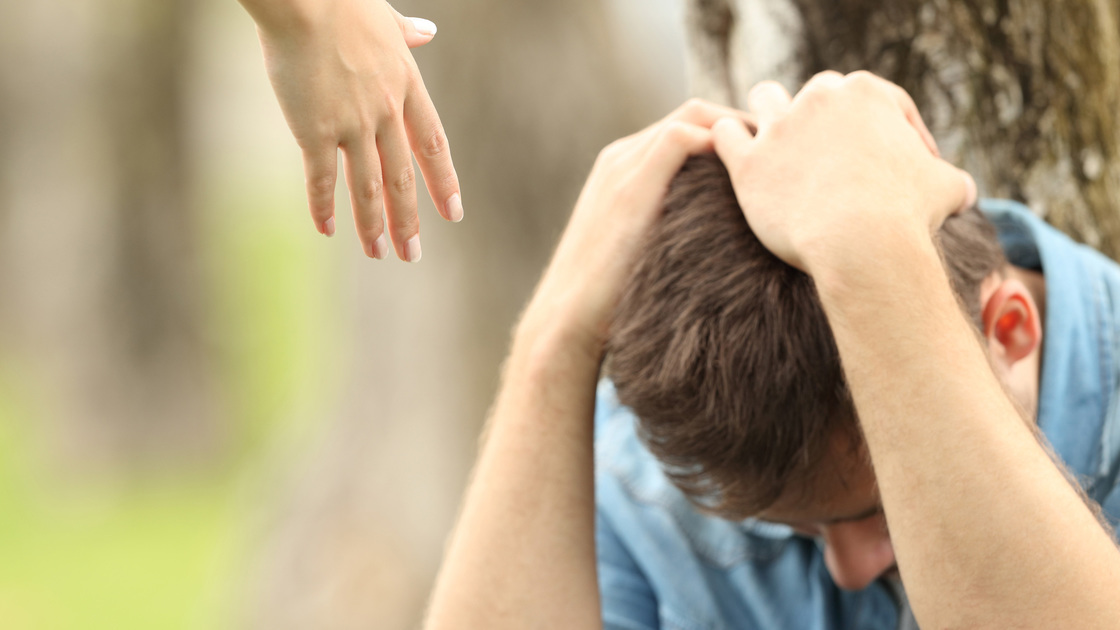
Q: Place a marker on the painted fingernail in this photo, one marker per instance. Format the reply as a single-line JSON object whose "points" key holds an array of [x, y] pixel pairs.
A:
{"points": [[380, 247], [455, 208], [412, 249], [328, 227], [424, 27]]}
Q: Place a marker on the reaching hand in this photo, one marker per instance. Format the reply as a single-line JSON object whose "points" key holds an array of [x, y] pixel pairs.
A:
{"points": [[840, 171], [345, 79]]}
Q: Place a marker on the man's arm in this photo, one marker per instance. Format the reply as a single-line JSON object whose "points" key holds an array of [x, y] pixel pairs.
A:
{"points": [[987, 531], [523, 552]]}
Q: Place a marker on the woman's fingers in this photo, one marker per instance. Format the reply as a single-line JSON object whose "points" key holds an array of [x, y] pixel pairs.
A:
{"points": [[400, 190], [320, 172], [433, 154], [416, 31], [367, 192]]}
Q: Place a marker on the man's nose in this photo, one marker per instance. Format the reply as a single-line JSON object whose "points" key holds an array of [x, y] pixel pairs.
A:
{"points": [[857, 552]]}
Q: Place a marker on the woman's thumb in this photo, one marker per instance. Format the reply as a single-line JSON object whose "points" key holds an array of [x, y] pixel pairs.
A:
{"points": [[416, 31]]}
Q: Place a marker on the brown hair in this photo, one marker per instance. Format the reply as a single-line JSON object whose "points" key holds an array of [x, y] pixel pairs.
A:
{"points": [[725, 355]]}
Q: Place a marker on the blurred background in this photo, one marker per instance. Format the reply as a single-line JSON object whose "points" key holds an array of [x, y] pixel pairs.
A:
{"points": [[210, 415]]}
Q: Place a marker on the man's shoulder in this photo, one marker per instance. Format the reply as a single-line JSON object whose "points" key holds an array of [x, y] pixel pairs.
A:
{"points": [[1078, 406], [1030, 242]]}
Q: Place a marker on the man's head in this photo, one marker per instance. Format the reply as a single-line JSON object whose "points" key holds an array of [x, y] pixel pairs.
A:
{"points": [[726, 356]]}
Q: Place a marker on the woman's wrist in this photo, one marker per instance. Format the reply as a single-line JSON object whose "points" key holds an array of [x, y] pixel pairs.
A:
{"points": [[284, 17]]}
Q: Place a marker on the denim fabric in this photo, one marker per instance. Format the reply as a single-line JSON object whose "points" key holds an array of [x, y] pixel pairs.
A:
{"points": [[664, 565]]}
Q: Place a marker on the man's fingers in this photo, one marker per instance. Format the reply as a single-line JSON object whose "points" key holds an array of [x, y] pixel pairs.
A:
{"points": [[904, 101], [400, 191], [673, 143], [910, 109], [363, 177], [320, 171], [768, 100], [956, 188], [824, 78], [732, 141], [705, 114], [433, 154]]}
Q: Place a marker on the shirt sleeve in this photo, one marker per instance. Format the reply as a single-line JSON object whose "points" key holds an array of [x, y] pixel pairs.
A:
{"points": [[628, 601]]}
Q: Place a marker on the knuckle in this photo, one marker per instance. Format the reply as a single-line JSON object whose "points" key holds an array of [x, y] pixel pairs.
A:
{"points": [[693, 106], [321, 186], [862, 79], [435, 145], [609, 152], [405, 227], [369, 192], [674, 132], [392, 106], [405, 183], [450, 181]]}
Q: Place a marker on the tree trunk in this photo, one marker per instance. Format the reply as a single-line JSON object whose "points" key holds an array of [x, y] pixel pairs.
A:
{"points": [[98, 262], [1022, 93]]}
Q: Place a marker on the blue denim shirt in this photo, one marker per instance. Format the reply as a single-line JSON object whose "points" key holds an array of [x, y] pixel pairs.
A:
{"points": [[662, 564]]}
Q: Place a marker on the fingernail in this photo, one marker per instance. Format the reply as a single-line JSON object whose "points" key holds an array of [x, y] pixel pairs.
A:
{"points": [[455, 208], [380, 247], [328, 227], [424, 27], [412, 249]]}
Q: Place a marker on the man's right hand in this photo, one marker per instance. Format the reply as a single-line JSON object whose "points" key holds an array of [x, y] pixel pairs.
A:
{"points": [[839, 172]]}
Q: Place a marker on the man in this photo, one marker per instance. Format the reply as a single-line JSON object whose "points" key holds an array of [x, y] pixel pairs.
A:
{"points": [[844, 184], [725, 357]]}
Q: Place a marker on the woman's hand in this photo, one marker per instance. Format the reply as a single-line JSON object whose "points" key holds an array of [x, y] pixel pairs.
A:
{"points": [[841, 171], [620, 200], [345, 79]]}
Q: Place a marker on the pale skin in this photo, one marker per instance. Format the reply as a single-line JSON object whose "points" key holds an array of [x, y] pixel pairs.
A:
{"points": [[845, 511], [842, 183], [345, 80]]}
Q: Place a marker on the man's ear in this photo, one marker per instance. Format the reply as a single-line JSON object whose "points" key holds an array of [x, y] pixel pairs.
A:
{"points": [[1011, 321]]}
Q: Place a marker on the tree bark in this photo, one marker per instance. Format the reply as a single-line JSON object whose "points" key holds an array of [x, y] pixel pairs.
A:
{"points": [[1022, 93]]}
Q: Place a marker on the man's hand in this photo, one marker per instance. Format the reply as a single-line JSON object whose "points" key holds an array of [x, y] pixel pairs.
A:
{"points": [[841, 181], [523, 552], [830, 173], [619, 202], [345, 79]]}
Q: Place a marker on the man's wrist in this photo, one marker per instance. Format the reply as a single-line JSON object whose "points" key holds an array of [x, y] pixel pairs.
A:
{"points": [[548, 328], [283, 17], [892, 263]]}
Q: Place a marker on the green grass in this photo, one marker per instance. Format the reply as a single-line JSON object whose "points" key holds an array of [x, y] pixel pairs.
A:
{"points": [[164, 551]]}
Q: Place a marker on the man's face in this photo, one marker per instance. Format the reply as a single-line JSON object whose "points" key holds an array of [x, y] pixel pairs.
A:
{"points": [[843, 512], [842, 509]]}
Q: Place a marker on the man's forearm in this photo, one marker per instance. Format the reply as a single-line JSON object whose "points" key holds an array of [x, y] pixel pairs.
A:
{"points": [[987, 531], [523, 554]]}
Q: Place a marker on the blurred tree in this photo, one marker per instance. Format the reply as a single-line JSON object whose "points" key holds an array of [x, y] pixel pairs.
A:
{"points": [[102, 300], [1022, 93]]}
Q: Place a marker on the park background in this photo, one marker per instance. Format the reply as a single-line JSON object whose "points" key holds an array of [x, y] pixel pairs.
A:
{"points": [[210, 415]]}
